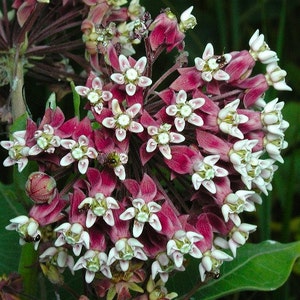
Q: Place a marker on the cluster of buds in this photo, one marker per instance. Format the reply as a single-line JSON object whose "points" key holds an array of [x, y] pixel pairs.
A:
{"points": [[149, 178]]}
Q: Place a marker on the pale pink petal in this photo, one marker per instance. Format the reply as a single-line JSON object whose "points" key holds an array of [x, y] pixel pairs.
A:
{"points": [[195, 120], [133, 110], [106, 95], [91, 153], [152, 130], [171, 110], [124, 264], [144, 81], [124, 63], [181, 97], [155, 223], [90, 219], [179, 124], [208, 52], [154, 207], [210, 186], [120, 172], [7, 144], [89, 276], [130, 89], [67, 143], [67, 160], [178, 259], [117, 78], [135, 127], [141, 64], [128, 214], [151, 145], [9, 162], [165, 151], [83, 165], [97, 84], [221, 75], [196, 103], [137, 228], [109, 218], [109, 122], [207, 76], [120, 134], [176, 137]]}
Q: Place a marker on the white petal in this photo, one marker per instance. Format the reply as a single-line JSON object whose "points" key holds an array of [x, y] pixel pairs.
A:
{"points": [[83, 165], [208, 52], [137, 228], [120, 134], [136, 127], [195, 120], [109, 122], [141, 64], [165, 151], [117, 78], [67, 160], [171, 110], [90, 219], [221, 75], [151, 145], [124, 63], [130, 89], [82, 90], [144, 81], [155, 223], [109, 218], [210, 186], [176, 137], [179, 124], [97, 84], [128, 214]]}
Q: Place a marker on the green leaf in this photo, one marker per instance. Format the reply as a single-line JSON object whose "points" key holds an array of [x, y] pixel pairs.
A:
{"points": [[265, 267], [9, 242]]}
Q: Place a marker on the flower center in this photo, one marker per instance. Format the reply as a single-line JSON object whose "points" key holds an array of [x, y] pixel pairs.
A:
{"points": [[93, 97], [123, 120], [77, 153], [142, 217], [131, 74], [163, 138], [186, 110]]}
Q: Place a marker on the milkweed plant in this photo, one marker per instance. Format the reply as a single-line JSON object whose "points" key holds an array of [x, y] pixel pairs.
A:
{"points": [[162, 161]]}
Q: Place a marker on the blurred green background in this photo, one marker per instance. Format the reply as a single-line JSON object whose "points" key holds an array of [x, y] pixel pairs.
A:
{"points": [[228, 25]]}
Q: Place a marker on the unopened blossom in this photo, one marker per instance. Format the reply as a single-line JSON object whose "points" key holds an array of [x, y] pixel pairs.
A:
{"points": [[131, 76], [183, 243], [58, 257], [17, 150], [123, 121], [211, 66], [46, 141], [142, 212], [164, 265], [236, 203], [229, 119], [80, 151], [158, 291], [183, 111], [40, 187], [211, 262], [99, 206], [239, 235], [95, 94], [161, 137], [124, 251], [260, 50], [187, 20], [27, 228], [74, 235], [205, 171], [275, 77], [272, 118], [93, 261]]}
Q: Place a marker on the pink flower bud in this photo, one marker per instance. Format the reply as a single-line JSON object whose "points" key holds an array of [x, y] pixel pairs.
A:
{"points": [[40, 187]]}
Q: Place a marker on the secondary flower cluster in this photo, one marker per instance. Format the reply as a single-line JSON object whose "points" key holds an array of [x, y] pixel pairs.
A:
{"points": [[149, 178]]}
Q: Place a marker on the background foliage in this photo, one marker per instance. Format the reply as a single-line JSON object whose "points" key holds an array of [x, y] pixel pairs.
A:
{"points": [[228, 25]]}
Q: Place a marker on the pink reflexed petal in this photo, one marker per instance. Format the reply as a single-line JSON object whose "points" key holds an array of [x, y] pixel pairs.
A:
{"points": [[90, 219], [196, 103], [210, 186], [124, 63], [120, 134], [109, 218], [83, 165], [117, 78], [133, 110], [106, 95], [120, 172], [144, 81], [148, 190], [67, 160], [137, 228], [171, 110], [195, 120], [82, 90], [221, 75], [176, 137], [155, 223], [130, 89], [135, 127], [97, 83], [208, 52], [109, 122], [141, 64], [151, 145], [179, 124], [165, 151], [128, 214]]}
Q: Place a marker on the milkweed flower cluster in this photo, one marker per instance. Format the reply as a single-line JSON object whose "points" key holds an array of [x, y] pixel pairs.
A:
{"points": [[149, 178]]}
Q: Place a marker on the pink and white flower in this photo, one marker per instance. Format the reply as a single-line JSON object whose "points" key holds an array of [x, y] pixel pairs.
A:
{"points": [[131, 76]]}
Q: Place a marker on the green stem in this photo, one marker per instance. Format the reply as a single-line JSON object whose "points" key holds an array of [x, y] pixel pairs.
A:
{"points": [[28, 269], [18, 106]]}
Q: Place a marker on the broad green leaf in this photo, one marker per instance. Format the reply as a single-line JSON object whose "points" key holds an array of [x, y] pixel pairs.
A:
{"points": [[9, 242], [265, 267]]}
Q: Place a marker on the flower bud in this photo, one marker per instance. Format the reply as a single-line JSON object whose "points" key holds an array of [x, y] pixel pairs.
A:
{"points": [[40, 187]]}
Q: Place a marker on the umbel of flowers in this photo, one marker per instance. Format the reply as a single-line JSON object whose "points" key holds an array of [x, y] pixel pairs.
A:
{"points": [[149, 177]]}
